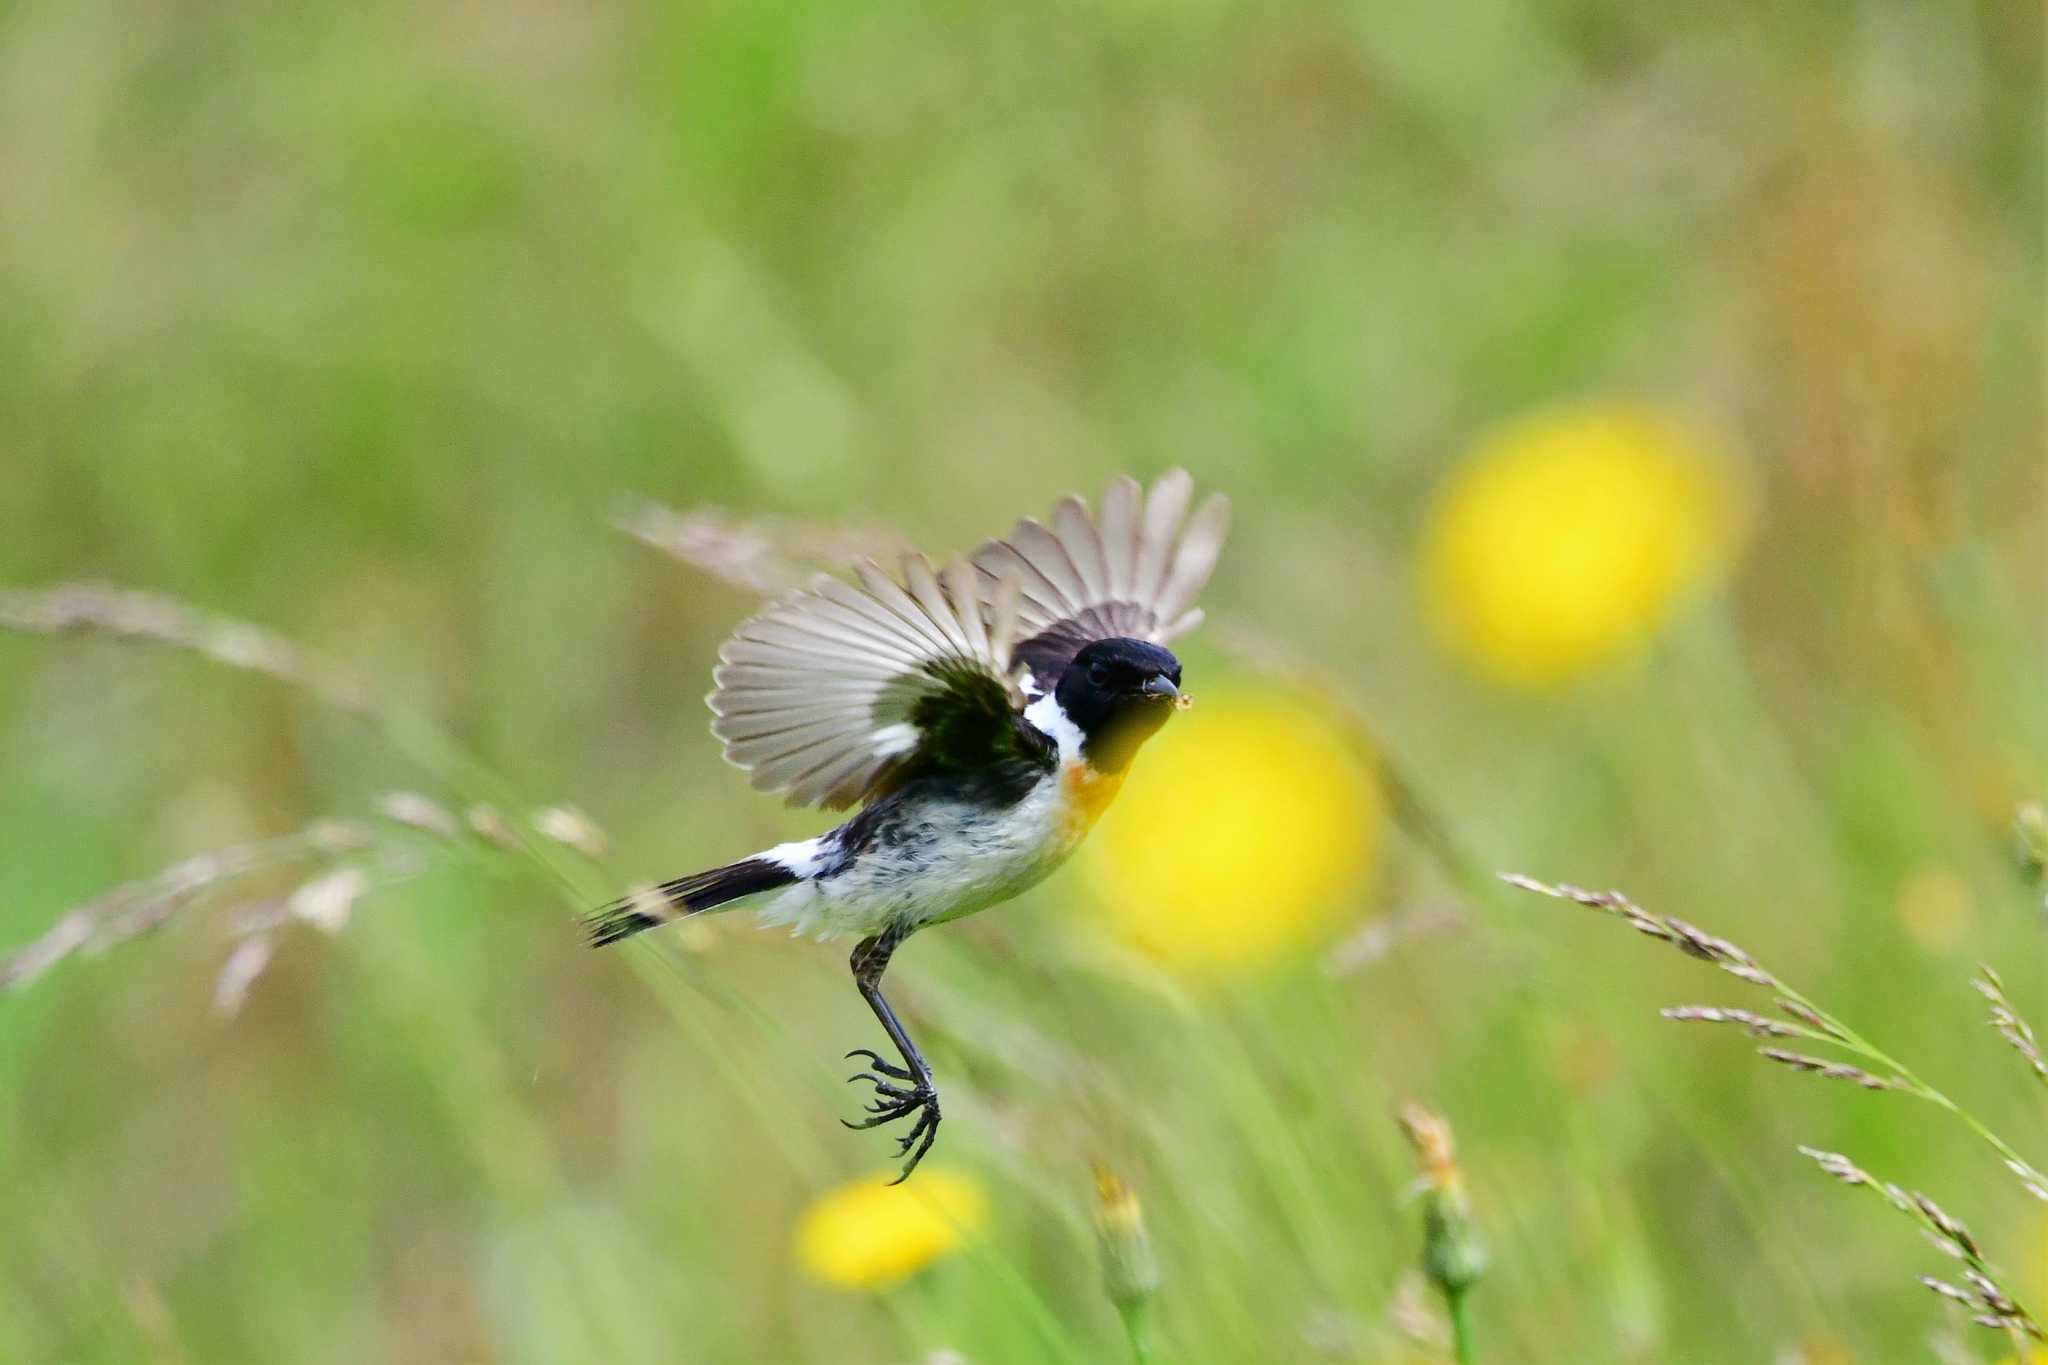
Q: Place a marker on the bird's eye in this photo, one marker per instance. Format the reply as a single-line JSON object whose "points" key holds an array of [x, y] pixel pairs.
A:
{"points": [[1099, 674]]}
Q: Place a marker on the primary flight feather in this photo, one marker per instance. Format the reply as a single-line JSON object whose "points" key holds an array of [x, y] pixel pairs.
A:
{"points": [[981, 715]]}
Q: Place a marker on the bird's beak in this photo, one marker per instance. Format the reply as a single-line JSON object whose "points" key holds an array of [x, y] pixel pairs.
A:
{"points": [[1159, 687]]}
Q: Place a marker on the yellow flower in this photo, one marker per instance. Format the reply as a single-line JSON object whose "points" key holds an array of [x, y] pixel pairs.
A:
{"points": [[1565, 540], [1935, 908], [2033, 1281], [1242, 829], [868, 1234]]}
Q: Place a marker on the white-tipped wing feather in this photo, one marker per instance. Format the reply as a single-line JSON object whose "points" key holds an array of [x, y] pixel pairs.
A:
{"points": [[827, 692], [818, 694], [1134, 570]]}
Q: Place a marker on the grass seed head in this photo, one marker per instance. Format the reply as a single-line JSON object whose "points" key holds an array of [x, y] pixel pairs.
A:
{"points": [[157, 618], [488, 825], [571, 828], [422, 813], [1949, 1228], [1809, 1016], [1827, 1070], [247, 962], [1948, 1291], [2007, 1020], [1756, 1025], [1689, 939], [756, 556]]}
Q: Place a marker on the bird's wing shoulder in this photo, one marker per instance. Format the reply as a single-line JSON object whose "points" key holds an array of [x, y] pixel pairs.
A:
{"points": [[1134, 569], [836, 692]]}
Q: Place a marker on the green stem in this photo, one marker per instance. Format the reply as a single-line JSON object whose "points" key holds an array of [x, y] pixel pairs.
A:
{"points": [[1137, 1316], [1461, 1326]]}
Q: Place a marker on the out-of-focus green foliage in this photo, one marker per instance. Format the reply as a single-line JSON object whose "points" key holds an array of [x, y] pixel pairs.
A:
{"points": [[358, 320]]}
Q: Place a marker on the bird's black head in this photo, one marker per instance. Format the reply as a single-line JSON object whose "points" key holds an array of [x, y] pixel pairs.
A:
{"points": [[1119, 692]]}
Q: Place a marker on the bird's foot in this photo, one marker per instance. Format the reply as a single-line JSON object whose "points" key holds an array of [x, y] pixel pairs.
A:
{"points": [[893, 1102]]}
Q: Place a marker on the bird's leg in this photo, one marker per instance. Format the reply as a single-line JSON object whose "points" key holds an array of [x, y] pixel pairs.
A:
{"points": [[892, 1101]]}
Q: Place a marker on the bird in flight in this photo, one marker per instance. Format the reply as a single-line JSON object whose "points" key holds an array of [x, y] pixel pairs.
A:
{"points": [[981, 716]]}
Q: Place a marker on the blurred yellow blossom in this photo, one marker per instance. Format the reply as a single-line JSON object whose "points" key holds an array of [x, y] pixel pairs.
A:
{"points": [[1935, 908], [1568, 538], [869, 1234], [2033, 1259], [1248, 823]]}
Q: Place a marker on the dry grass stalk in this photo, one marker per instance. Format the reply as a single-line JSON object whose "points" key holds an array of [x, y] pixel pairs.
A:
{"points": [[346, 861], [1810, 1017], [1688, 939], [1991, 1304], [488, 825], [138, 906], [2029, 1177], [247, 962], [1379, 937], [1412, 1317], [757, 556], [327, 901], [422, 813], [327, 898], [1822, 1027], [1826, 1070], [1949, 1291], [1756, 1025], [2008, 1022], [130, 614], [572, 829]]}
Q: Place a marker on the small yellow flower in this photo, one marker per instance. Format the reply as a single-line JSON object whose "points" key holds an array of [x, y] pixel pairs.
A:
{"points": [[1935, 908], [1241, 832], [2033, 1281], [869, 1234], [1567, 539]]}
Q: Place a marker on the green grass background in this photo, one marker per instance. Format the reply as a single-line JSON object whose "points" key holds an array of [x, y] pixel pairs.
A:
{"points": [[358, 319]]}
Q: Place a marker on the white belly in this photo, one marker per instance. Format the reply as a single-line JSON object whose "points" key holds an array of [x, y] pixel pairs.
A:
{"points": [[955, 859]]}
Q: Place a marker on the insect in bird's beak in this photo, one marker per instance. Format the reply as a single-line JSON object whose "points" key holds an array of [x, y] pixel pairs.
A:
{"points": [[1159, 687]]}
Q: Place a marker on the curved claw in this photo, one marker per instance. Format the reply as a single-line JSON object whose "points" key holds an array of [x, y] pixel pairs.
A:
{"points": [[881, 1113], [893, 1102], [928, 1125], [881, 1064], [882, 1086]]}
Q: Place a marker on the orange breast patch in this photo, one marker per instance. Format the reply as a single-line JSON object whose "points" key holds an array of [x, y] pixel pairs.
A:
{"points": [[1084, 795]]}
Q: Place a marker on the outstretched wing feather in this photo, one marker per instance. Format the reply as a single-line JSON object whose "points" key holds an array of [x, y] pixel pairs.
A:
{"points": [[1195, 557], [825, 693], [1134, 569]]}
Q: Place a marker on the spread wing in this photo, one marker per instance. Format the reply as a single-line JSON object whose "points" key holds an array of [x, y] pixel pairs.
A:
{"points": [[1133, 570], [830, 692]]}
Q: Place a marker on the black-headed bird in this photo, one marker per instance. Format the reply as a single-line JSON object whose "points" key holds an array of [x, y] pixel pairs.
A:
{"points": [[981, 716]]}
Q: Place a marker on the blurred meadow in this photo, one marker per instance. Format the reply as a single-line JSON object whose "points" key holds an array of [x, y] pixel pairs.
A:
{"points": [[1633, 416]]}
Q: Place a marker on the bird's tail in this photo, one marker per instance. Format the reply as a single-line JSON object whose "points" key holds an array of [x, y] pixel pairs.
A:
{"points": [[686, 896]]}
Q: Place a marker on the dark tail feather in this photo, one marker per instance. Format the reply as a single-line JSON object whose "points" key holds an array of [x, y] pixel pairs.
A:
{"points": [[685, 896]]}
